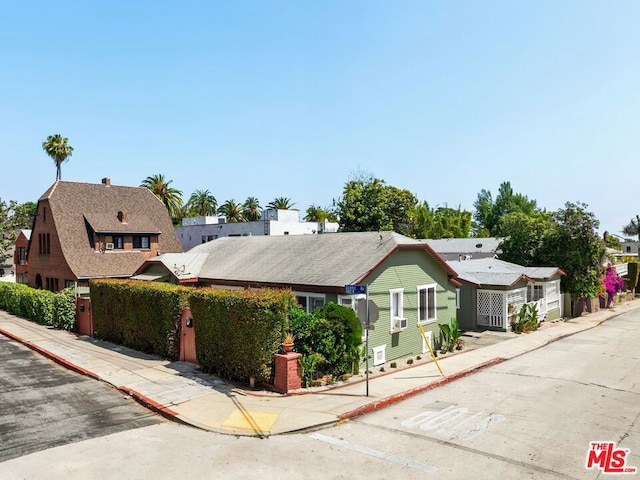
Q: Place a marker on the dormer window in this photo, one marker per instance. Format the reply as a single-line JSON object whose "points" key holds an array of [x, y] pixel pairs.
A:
{"points": [[141, 241], [113, 242]]}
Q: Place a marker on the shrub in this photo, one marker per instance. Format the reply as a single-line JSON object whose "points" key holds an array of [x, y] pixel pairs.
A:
{"points": [[64, 309], [30, 303], [237, 332], [334, 332], [141, 315]]}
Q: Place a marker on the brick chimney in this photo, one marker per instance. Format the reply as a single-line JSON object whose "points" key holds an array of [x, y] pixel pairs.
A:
{"points": [[122, 216], [106, 181]]}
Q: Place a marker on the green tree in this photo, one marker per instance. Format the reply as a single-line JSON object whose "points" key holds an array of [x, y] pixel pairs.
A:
{"points": [[488, 212], [441, 222], [281, 203], [58, 148], [13, 218], [316, 213], [232, 211], [23, 215], [525, 236], [633, 229], [251, 209], [202, 203], [574, 245], [370, 205], [611, 241], [171, 197]]}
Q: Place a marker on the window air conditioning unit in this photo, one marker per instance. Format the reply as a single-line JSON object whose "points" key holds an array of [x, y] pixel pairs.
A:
{"points": [[399, 323], [109, 246]]}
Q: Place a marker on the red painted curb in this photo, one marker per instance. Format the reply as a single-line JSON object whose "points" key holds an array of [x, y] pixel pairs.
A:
{"points": [[52, 356], [12, 336], [150, 403], [370, 407]]}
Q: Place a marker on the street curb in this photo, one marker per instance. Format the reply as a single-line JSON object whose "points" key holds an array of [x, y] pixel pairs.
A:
{"points": [[370, 407], [51, 356], [150, 403]]}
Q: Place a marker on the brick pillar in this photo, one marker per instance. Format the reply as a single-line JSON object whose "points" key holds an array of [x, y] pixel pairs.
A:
{"points": [[288, 375]]}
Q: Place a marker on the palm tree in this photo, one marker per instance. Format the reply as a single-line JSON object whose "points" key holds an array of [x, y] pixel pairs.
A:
{"points": [[202, 203], [251, 208], [169, 196], [281, 203], [231, 210], [315, 213], [633, 228], [57, 148]]}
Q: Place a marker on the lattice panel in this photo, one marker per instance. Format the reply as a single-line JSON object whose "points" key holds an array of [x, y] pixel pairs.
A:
{"points": [[491, 309]]}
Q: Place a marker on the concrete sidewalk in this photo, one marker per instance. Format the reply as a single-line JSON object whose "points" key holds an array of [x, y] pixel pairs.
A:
{"points": [[179, 391]]}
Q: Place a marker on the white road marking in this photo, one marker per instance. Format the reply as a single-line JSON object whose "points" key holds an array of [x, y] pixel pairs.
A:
{"points": [[375, 453]]}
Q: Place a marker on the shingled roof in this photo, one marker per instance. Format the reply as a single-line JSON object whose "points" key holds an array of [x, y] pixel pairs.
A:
{"points": [[78, 207], [328, 260], [491, 271]]}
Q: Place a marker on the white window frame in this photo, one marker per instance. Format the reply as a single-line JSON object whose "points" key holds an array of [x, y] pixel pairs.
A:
{"points": [[397, 321], [379, 355], [535, 290], [351, 301], [457, 299], [426, 288], [310, 297], [429, 335]]}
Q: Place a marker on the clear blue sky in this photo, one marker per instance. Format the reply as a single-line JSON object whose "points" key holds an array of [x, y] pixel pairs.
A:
{"points": [[269, 98]]}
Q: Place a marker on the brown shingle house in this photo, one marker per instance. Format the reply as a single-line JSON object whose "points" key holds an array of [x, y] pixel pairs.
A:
{"points": [[86, 230]]}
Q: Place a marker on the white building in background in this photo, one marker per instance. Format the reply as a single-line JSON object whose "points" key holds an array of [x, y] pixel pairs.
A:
{"points": [[197, 230]]}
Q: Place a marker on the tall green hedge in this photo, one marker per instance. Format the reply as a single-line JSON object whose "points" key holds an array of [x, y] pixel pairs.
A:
{"points": [[237, 332], [141, 315], [632, 276], [40, 306]]}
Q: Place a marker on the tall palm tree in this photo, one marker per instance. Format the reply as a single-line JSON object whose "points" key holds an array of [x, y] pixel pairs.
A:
{"points": [[251, 209], [633, 228], [231, 210], [57, 147], [281, 203], [202, 203], [169, 196]]}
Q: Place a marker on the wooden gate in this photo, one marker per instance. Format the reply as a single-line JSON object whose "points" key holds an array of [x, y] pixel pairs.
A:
{"points": [[187, 337], [84, 319]]}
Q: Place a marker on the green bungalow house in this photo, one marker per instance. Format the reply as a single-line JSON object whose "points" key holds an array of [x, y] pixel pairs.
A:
{"points": [[494, 290], [407, 280]]}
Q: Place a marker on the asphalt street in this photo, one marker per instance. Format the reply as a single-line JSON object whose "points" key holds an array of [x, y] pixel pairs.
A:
{"points": [[43, 405]]}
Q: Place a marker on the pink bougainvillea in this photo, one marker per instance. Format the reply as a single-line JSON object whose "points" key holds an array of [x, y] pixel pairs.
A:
{"points": [[613, 283]]}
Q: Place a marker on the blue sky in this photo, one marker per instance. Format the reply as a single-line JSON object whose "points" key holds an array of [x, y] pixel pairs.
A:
{"points": [[269, 98]]}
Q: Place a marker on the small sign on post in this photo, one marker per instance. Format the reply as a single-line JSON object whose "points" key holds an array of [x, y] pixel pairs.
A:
{"points": [[355, 289]]}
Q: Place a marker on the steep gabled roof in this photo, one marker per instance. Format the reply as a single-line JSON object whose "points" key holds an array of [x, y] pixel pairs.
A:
{"points": [[327, 260], [491, 271], [76, 208]]}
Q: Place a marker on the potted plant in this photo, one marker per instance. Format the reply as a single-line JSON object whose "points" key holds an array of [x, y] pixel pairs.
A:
{"points": [[287, 342]]}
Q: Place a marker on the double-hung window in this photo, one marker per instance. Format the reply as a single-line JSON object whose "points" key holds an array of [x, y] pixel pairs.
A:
{"points": [[427, 303], [398, 322]]}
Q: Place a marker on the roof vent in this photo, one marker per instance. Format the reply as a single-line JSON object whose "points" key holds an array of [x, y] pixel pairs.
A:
{"points": [[106, 181], [122, 216]]}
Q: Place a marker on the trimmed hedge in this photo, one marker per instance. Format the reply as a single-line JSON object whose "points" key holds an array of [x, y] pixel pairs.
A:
{"points": [[632, 276], [238, 331], [40, 306], [141, 315]]}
